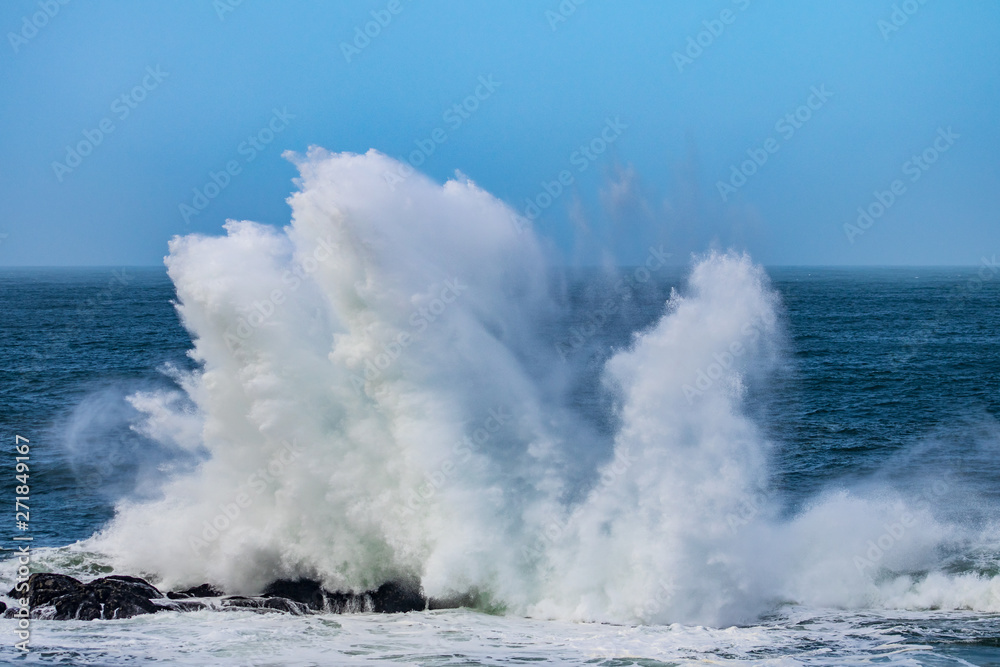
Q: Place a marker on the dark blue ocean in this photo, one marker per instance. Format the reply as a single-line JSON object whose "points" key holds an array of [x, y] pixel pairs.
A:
{"points": [[888, 376]]}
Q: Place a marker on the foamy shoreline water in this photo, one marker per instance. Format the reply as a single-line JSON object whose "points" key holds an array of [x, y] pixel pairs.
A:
{"points": [[797, 636]]}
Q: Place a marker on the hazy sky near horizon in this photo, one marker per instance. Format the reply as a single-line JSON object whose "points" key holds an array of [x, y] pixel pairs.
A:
{"points": [[723, 123]]}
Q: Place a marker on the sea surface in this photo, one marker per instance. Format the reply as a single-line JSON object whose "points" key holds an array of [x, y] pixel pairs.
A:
{"points": [[886, 378]]}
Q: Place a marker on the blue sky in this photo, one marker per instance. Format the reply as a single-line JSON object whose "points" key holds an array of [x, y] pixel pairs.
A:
{"points": [[885, 81]]}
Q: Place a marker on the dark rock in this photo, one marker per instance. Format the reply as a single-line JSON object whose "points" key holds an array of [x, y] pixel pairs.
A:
{"points": [[135, 585], [306, 591], [389, 598], [59, 597], [3, 607], [100, 599], [262, 604], [45, 587], [396, 597], [203, 591], [470, 599], [164, 604]]}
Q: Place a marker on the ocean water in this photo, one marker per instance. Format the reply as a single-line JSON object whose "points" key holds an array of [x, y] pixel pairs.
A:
{"points": [[717, 463]]}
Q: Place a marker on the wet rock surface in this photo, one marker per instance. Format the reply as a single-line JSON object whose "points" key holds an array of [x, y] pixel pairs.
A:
{"points": [[203, 591], [262, 604], [60, 597], [389, 598], [43, 588], [134, 585]]}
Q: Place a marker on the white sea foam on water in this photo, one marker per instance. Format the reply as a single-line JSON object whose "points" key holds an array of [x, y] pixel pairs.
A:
{"points": [[379, 402], [463, 637]]}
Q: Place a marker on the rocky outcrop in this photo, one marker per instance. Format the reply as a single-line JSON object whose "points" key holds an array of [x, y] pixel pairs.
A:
{"points": [[394, 598], [389, 598], [305, 591], [60, 597], [134, 584], [203, 591], [262, 604], [470, 599], [43, 588]]}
